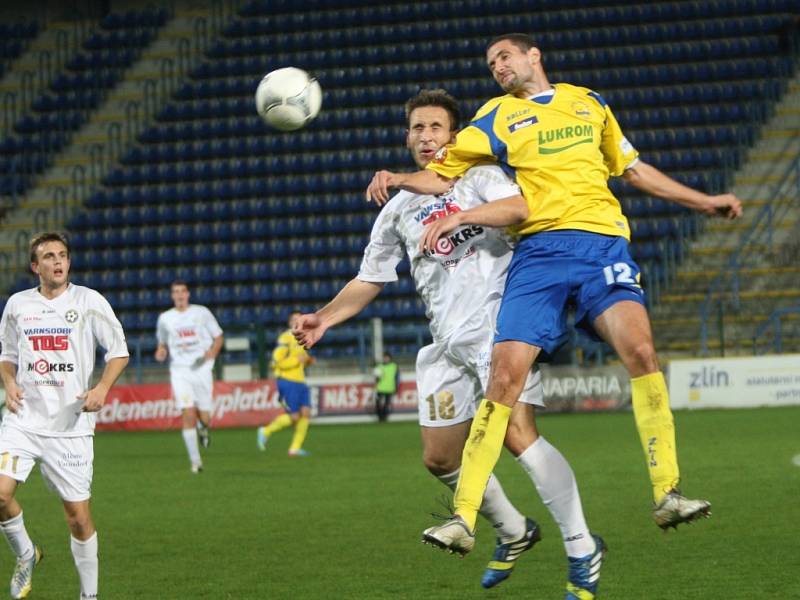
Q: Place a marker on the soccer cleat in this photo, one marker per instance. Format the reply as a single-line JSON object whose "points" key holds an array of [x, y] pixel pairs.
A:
{"points": [[261, 439], [22, 579], [675, 509], [299, 452], [453, 536], [203, 433], [506, 555], [197, 468], [584, 573]]}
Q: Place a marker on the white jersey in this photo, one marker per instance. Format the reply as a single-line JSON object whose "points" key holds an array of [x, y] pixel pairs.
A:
{"points": [[53, 343], [188, 335], [468, 269]]}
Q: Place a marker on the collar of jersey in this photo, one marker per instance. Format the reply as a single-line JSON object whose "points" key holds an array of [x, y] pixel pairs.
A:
{"points": [[544, 97]]}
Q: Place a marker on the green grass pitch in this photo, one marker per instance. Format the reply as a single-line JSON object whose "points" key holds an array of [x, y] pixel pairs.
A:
{"points": [[346, 522]]}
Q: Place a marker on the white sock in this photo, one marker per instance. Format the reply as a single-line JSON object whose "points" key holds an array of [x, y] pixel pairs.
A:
{"points": [[555, 482], [17, 537], [496, 508], [85, 556], [190, 439]]}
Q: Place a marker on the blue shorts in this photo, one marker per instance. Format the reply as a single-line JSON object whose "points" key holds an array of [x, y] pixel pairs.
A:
{"points": [[553, 270], [293, 395]]}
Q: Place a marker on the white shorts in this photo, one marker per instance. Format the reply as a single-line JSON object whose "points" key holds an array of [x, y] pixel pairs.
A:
{"points": [[192, 387], [66, 463], [452, 375]]}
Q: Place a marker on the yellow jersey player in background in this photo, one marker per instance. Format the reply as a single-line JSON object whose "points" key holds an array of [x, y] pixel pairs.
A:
{"points": [[560, 143], [289, 361]]}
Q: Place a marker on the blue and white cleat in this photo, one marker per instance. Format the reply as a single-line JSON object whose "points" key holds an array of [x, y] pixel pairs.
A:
{"points": [[584, 573], [299, 452], [22, 579], [505, 555], [261, 439]]}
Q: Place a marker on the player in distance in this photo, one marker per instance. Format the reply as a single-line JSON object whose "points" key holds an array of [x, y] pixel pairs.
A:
{"points": [[189, 335], [49, 336], [461, 285], [562, 142], [289, 362]]}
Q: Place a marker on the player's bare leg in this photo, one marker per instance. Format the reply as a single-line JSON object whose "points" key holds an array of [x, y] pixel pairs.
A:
{"points": [[12, 524], [83, 543], [626, 326]]}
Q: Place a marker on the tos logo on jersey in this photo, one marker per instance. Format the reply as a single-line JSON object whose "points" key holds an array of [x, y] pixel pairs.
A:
{"points": [[49, 342]]}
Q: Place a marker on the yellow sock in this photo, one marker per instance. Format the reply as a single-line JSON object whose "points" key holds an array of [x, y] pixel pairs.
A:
{"points": [[479, 458], [656, 431], [277, 424], [300, 431]]}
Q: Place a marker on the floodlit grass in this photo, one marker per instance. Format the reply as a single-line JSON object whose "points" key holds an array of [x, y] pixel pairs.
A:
{"points": [[346, 522]]}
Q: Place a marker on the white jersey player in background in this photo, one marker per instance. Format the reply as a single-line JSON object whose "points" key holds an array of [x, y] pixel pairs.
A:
{"points": [[461, 285], [49, 337], [191, 337]]}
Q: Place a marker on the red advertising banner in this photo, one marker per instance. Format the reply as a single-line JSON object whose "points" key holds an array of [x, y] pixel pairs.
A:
{"points": [[238, 404]]}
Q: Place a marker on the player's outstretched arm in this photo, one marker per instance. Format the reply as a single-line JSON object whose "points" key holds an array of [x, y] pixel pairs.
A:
{"points": [[652, 181], [350, 301], [500, 213], [420, 182], [95, 398], [8, 371]]}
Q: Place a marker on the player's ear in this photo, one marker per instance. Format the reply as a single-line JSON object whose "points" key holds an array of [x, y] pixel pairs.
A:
{"points": [[35, 268], [453, 135], [534, 55]]}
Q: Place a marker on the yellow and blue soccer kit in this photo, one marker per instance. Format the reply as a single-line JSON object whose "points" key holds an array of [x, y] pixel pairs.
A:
{"points": [[560, 148], [290, 372]]}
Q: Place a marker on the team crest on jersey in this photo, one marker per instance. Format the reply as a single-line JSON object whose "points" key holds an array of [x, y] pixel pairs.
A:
{"points": [[71, 316], [581, 110], [441, 155]]}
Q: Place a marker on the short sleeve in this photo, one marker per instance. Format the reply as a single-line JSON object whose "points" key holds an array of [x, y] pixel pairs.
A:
{"points": [[384, 251], [211, 324], [107, 329], [8, 334], [472, 146], [618, 153], [162, 333]]}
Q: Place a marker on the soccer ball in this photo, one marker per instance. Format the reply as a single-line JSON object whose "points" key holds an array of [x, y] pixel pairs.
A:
{"points": [[288, 98]]}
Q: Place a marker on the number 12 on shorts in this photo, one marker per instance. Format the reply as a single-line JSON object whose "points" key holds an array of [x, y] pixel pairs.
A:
{"points": [[618, 273]]}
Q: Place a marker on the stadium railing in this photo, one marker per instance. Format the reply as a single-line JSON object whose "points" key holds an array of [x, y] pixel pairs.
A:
{"points": [[773, 324], [724, 289]]}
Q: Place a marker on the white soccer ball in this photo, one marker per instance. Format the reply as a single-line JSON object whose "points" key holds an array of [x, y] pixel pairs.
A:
{"points": [[288, 98]]}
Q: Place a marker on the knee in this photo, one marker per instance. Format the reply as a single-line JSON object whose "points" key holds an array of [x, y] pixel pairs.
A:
{"points": [[439, 464], [80, 525], [6, 501], [643, 360]]}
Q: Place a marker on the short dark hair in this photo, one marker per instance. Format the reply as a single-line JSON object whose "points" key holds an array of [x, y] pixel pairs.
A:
{"points": [[177, 282], [523, 41], [437, 97], [43, 238]]}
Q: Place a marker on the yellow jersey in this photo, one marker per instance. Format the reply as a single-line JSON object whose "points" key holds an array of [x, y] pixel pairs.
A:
{"points": [[286, 358], [560, 150]]}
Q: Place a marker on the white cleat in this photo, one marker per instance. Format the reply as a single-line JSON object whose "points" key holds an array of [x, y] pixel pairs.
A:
{"points": [[22, 579], [453, 536], [197, 468], [675, 509]]}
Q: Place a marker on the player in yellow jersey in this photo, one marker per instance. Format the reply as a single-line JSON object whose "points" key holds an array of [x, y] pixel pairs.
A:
{"points": [[289, 361], [561, 143]]}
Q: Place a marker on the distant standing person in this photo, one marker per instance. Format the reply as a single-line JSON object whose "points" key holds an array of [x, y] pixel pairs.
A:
{"points": [[387, 378], [289, 362], [191, 337], [49, 336]]}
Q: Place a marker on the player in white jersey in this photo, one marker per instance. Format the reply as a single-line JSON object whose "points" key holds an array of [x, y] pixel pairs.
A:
{"points": [[191, 337], [49, 336], [461, 286]]}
